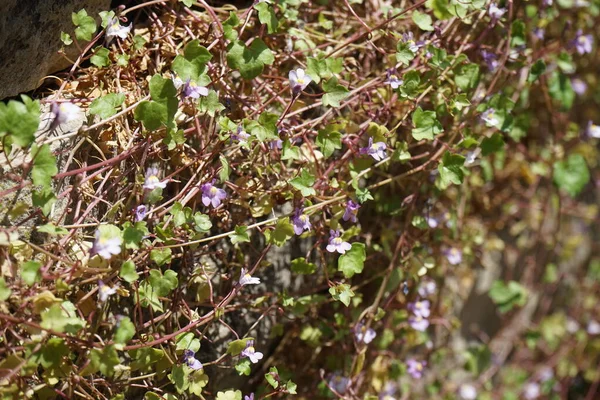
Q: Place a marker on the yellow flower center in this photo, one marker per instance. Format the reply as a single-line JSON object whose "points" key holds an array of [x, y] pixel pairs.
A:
{"points": [[337, 240], [419, 367], [213, 190], [300, 81], [153, 179]]}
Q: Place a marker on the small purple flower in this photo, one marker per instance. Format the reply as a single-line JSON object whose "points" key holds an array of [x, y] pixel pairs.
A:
{"points": [[547, 3], [495, 11], [152, 181], [351, 211], [241, 135], [467, 392], [212, 195], [531, 390], [115, 29], [364, 335], [393, 80], [337, 244], [454, 256], [583, 43], [593, 130], [375, 150], [251, 353], [427, 288], [420, 308], [489, 116], [65, 112], [276, 144], [249, 397], [140, 213], [418, 323], [299, 80], [579, 86], [300, 221], [539, 33], [246, 279], [593, 328], [415, 368], [339, 383], [412, 45], [105, 291], [490, 59], [106, 247], [189, 358], [193, 90]]}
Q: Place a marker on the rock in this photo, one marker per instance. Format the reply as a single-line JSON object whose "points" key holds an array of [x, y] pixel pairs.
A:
{"points": [[30, 39]]}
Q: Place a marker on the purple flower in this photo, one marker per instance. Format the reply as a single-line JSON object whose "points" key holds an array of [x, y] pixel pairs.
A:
{"points": [[375, 150], [467, 392], [412, 45], [489, 116], [415, 368], [300, 222], [393, 80], [339, 383], [490, 59], [579, 86], [152, 181], [427, 288], [65, 112], [105, 291], [246, 279], [351, 211], [251, 353], [106, 247], [531, 390], [593, 130], [190, 360], [241, 135], [140, 213], [418, 323], [249, 397], [454, 256], [593, 328], [539, 33], [337, 244], [193, 90], [299, 80], [212, 195], [547, 3], [115, 29], [583, 43], [364, 335], [276, 144], [420, 308], [496, 12]]}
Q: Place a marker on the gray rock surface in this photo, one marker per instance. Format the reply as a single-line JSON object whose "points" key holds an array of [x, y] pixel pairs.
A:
{"points": [[30, 39]]}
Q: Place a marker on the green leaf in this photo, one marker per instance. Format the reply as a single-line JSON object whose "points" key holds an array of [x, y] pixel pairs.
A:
{"points": [[198, 380], [44, 199], [163, 284], [266, 15], [272, 377], [173, 138], [289, 152], [363, 194], [319, 69], [187, 3], [4, 290], [304, 183], [353, 261], [225, 169], [281, 234], [128, 272], [265, 128], [52, 229], [30, 272], [559, 87], [44, 166], [66, 38], [410, 86], [192, 64], [62, 318], [466, 76], [536, 71], [187, 341], [152, 114], [508, 295], [133, 234], [401, 152], [334, 93], [426, 125], [210, 104], [229, 395], [244, 367], [451, 169], [123, 60], [403, 53], [329, 141], [20, 120], [572, 174], [423, 21], [492, 144], [105, 359], [125, 330], [342, 292], [86, 26], [237, 346], [240, 236], [250, 61], [301, 266], [100, 58], [161, 256], [202, 222], [106, 106]]}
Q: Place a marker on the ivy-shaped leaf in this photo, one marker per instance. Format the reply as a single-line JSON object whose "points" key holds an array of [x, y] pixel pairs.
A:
{"points": [[304, 183], [426, 125], [334, 93], [106, 106], [250, 61]]}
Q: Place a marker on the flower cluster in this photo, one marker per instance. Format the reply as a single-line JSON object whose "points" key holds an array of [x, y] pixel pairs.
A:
{"points": [[420, 310]]}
